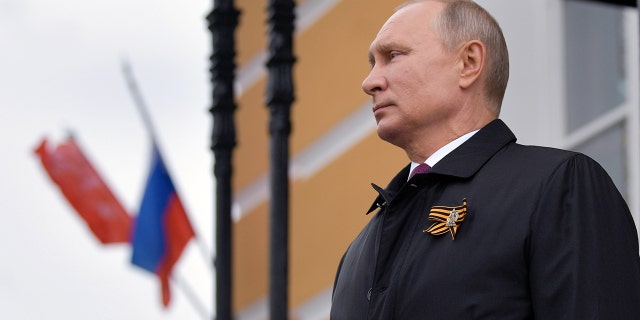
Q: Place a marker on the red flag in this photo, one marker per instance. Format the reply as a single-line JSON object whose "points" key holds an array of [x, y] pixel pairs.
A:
{"points": [[85, 190]]}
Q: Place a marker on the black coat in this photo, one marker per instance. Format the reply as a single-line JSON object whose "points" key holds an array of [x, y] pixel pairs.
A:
{"points": [[546, 236]]}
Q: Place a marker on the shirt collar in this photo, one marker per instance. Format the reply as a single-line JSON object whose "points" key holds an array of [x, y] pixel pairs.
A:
{"points": [[444, 151]]}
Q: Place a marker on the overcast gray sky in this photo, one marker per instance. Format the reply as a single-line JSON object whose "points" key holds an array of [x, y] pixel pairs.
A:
{"points": [[60, 70]]}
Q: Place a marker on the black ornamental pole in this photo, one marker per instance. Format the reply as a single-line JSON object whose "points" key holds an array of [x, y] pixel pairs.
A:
{"points": [[223, 21], [279, 97]]}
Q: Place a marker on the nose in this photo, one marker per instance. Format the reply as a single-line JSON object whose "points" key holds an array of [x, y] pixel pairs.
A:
{"points": [[374, 82]]}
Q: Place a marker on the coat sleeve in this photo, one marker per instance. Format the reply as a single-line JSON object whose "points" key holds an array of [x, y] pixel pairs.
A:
{"points": [[583, 247], [335, 280]]}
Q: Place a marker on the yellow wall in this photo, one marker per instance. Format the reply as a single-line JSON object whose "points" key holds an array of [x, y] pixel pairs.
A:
{"points": [[328, 209]]}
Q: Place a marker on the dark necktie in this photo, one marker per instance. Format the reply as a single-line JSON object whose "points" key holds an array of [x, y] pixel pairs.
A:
{"points": [[420, 169]]}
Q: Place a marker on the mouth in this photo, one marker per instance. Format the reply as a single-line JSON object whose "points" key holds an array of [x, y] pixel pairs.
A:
{"points": [[379, 107]]}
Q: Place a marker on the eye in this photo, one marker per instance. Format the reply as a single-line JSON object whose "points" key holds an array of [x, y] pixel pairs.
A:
{"points": [[392, 54]]}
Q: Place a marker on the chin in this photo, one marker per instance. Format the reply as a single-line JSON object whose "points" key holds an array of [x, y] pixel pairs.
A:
{"points": [[389, 135]]}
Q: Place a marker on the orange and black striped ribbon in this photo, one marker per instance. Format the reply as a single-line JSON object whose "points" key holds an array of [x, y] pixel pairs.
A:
{"points": [[447, 219]]}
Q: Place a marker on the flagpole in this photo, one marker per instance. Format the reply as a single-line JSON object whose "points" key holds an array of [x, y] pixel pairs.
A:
{"points": [[137, 99], [190, 295], [146, 118]]}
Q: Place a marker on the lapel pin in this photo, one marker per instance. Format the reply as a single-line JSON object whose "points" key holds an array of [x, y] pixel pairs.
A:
{"points": [[446, 219]]}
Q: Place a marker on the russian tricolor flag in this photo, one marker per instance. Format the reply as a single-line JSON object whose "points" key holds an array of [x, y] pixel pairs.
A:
{"points": [[162, 228]]}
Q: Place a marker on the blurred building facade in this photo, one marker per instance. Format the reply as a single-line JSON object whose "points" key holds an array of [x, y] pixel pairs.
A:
{"points": [[573, 85]]}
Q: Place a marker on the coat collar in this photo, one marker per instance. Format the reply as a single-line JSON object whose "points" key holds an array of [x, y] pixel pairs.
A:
{"points": [[468, 158], [463, 162]]}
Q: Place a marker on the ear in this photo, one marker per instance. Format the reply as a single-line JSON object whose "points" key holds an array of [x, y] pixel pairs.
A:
{"points": [[472, 59]]}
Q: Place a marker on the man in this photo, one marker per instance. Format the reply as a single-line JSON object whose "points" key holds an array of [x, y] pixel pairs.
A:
{"points": [[494, 229]]}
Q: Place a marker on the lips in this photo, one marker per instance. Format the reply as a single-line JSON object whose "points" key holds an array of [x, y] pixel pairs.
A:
{"points": [[379, 107]]}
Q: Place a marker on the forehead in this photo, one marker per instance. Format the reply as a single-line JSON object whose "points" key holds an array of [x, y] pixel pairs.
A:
{"points": [[410, 24]]}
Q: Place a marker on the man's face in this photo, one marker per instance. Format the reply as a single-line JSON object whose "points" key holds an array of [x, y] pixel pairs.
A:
{"points": [[413, 77]]}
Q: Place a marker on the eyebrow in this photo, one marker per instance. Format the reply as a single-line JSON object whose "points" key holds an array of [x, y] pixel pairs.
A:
{"points": [[386, 47]]}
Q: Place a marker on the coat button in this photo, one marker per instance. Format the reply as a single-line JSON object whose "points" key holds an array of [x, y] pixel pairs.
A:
{"points": [[369, 294]]}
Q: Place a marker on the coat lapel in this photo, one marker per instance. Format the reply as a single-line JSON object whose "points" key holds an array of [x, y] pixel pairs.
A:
{"points": [[468, 158]]}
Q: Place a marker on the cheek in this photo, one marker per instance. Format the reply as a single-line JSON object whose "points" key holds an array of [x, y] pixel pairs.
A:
{"points": [[413, 92], [408, 84]]}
